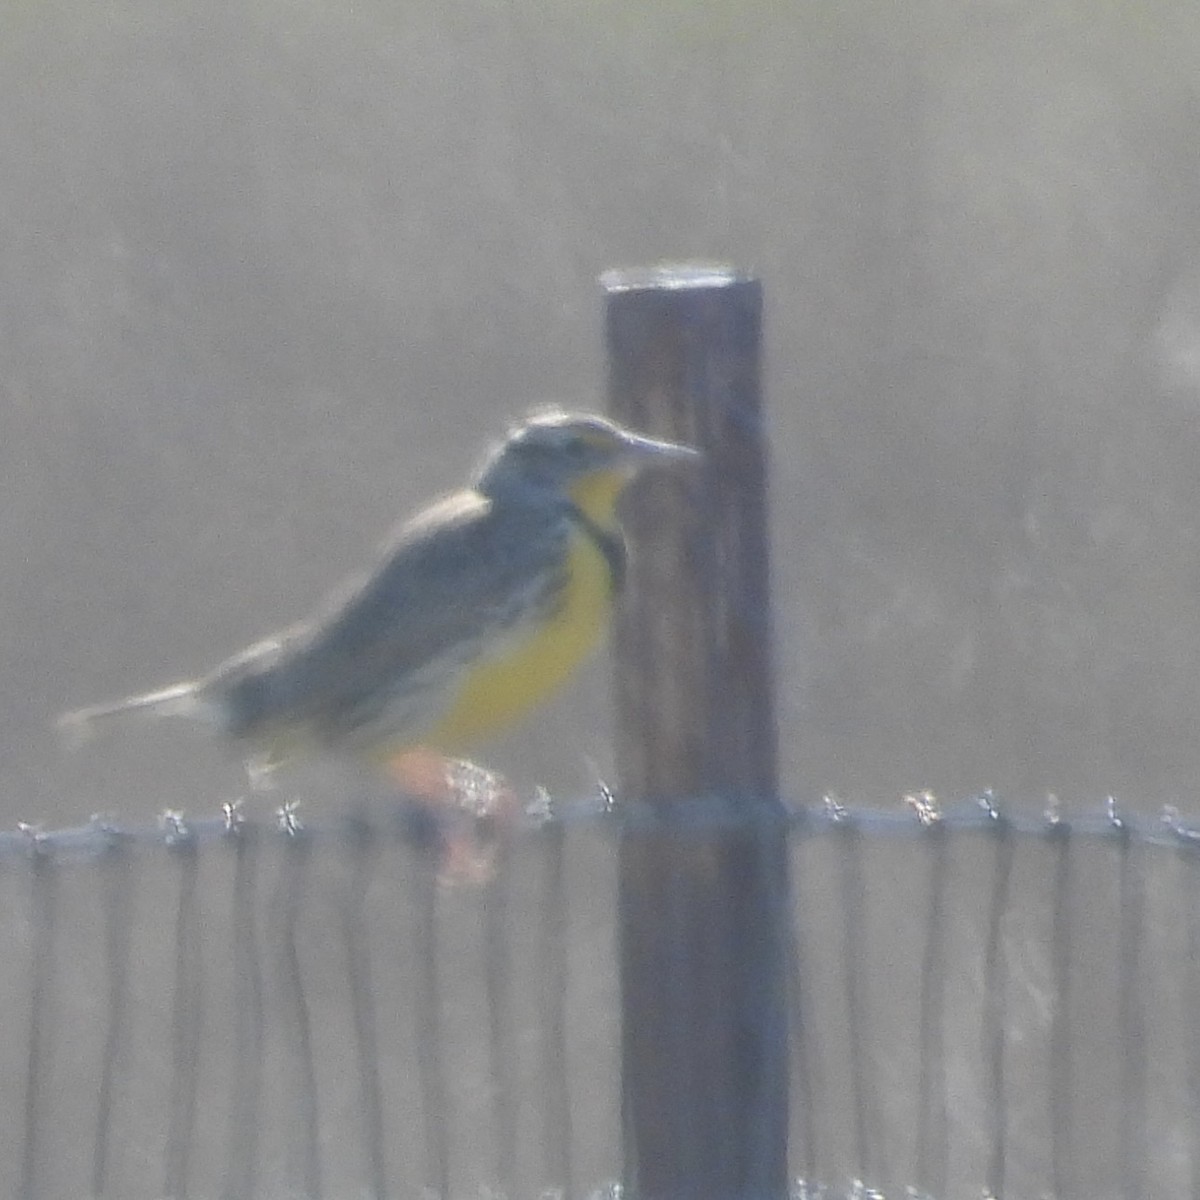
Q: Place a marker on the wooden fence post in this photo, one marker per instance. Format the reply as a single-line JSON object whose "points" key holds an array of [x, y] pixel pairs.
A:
{"points": [[703, 870]]}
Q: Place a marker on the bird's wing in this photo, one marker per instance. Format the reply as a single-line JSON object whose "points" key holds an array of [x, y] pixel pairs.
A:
{"points": [[453, 582]]}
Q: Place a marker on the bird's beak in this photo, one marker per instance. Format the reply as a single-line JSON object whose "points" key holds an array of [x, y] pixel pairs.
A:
{"points": [[639, 451]]}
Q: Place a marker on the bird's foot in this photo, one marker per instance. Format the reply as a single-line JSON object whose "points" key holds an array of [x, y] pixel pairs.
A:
{"points": [[463, 812]]}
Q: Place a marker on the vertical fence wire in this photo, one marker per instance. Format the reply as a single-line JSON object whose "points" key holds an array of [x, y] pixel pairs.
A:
{"points": [[427, 1024], [804, 1081], [995, 1004], [1131, 933], [1188, 906], [362, 1005], [932, 1157], [498, 988], [246, 1077], [1061, 1076], [854, 982], [1189, 983], [43, 930], [304, 1156], [553, 979], [187, 1007], [117, 884]]}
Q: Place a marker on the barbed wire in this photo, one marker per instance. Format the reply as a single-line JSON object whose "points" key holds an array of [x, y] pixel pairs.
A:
{"points": [[413, 821]]}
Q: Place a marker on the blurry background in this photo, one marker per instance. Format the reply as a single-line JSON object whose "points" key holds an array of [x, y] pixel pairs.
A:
{"points": [[273, 271]]}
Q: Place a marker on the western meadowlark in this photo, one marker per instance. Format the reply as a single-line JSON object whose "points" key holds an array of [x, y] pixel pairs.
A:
{"points": [[481, 605]]}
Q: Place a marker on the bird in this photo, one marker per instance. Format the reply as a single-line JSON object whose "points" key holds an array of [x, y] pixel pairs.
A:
{"points": [[478, 608]]}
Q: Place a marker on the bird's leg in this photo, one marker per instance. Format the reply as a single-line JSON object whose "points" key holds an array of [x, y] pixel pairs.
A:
{"points": [[472, 810], [260, 773]]}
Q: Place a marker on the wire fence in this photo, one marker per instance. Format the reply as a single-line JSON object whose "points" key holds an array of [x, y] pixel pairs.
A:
{"points": [[983, 1000]]}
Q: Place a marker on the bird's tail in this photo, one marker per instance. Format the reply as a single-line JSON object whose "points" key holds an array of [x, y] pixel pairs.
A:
{"points": [[179, 700]]}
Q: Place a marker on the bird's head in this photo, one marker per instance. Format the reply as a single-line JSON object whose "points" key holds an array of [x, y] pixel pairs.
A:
{"points": [[579, 456]]}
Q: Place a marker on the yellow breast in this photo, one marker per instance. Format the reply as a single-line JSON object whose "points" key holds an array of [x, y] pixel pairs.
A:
{"points": [[501, 690]]}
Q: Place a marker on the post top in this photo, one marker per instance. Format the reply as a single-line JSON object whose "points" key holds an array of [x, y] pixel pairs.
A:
{"points": [[671, 277]]}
